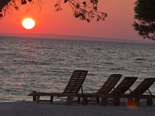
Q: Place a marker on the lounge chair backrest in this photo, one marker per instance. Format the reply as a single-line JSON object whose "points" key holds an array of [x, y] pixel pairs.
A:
{"points": [[109, 84], [76, 81], [143, 86], [126, 83]]}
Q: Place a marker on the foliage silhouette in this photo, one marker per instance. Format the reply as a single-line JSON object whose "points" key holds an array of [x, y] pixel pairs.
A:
{"points": [[83, 9], [145, 18]]}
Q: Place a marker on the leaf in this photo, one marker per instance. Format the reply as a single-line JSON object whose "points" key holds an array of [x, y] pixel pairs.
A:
{"points": [[88, 20], [65, 1], [23, 2]]}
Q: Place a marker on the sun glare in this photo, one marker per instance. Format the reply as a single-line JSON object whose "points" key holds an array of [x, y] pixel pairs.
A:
{"points": [[28, 23]]}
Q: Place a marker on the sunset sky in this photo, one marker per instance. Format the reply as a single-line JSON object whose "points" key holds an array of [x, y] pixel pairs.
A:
{"points": [[118, 24]]}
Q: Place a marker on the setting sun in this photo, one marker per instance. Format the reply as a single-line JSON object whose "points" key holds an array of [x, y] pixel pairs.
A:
{"points": [[28, 23]]}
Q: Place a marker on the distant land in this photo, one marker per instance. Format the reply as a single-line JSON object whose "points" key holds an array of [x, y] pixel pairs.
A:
{"points": [[73, 37]]}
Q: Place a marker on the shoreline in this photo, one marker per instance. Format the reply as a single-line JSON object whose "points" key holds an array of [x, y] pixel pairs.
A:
{"points": [[59, 108]]}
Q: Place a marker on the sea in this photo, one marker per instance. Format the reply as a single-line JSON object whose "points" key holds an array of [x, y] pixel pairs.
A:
{"points": [[45, 65]]}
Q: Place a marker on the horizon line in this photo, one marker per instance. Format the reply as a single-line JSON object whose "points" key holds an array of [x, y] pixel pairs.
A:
{"points": [[73, 37]]}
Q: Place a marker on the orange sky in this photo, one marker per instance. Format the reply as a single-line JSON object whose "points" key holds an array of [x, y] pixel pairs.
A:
{"points": [[118, 24]]}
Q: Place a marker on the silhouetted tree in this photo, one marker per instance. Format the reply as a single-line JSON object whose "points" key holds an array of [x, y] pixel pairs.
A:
{"points": [[83, 9], [145, 18]]}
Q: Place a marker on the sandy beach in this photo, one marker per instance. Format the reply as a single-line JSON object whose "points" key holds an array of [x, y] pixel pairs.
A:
{"points": [[60, 109]]}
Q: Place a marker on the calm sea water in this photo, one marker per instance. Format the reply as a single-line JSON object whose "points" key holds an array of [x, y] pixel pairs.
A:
{"points": [[28, 64]]}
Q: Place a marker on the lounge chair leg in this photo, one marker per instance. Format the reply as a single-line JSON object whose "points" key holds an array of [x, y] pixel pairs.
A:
{"points": [[69, 101], [85, 101], [104, 101], [116, 101], [79, 98], [137, 100], [51, 100], [97, 100], [149, 102], [38, 97], [34, 97]]}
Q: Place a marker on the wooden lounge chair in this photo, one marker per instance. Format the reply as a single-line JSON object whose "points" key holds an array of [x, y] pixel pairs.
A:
{"points": [[120, 90], [107, 86], [116, 94], [71, 90], [138, 92]]}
